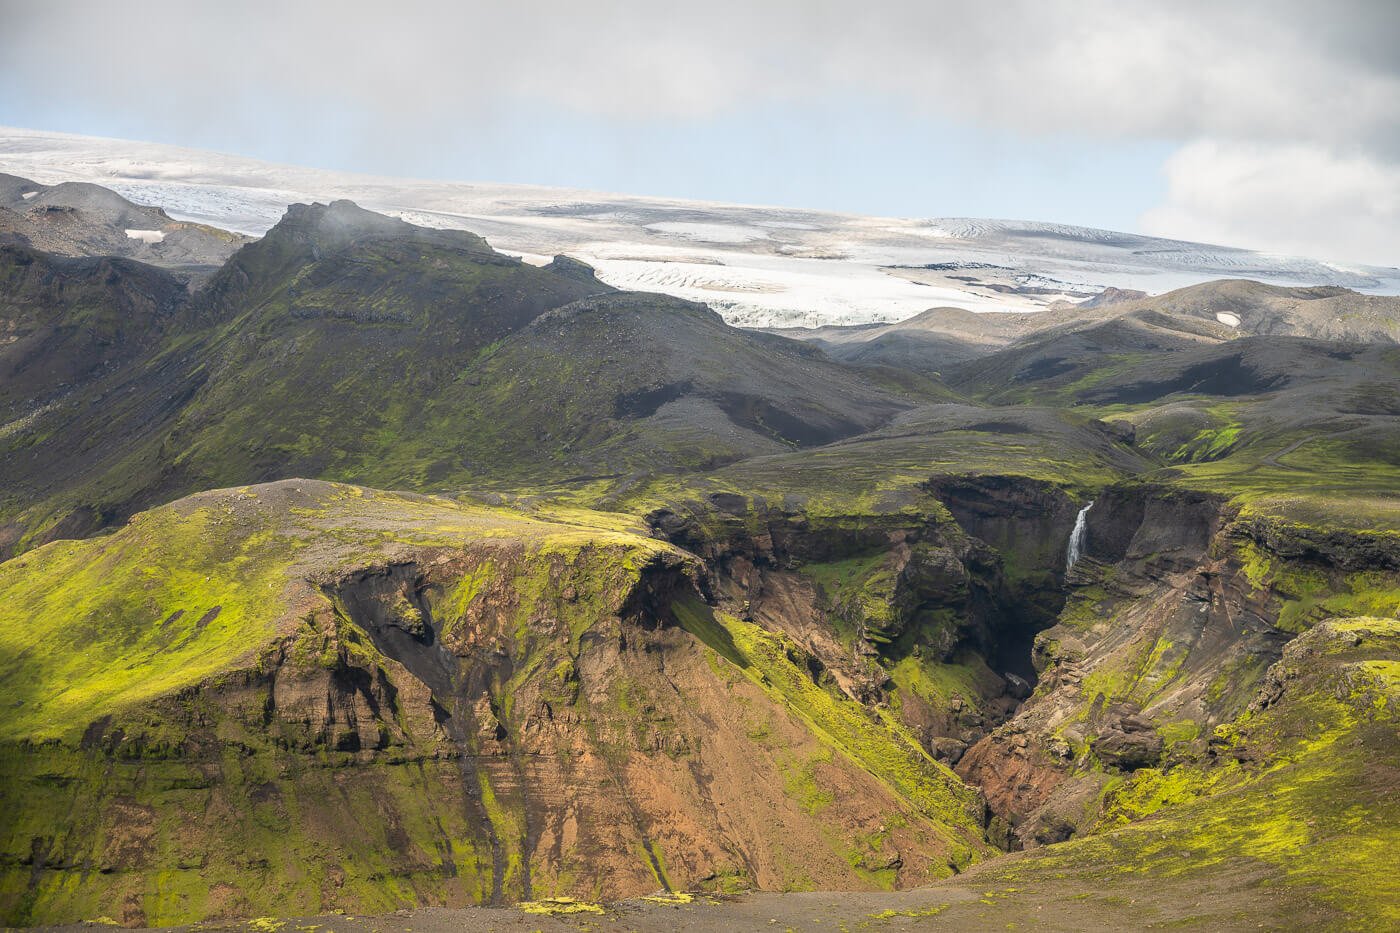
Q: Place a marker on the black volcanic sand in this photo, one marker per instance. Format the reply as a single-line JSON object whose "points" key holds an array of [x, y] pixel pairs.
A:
{"points": [[1228, 897]]}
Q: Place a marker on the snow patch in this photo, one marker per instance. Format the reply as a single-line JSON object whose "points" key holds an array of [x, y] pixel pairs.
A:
{"points": [[1229, 319], [30, 194], [146, 236]]}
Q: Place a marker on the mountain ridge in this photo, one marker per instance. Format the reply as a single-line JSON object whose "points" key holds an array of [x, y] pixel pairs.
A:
{"points": [[767, 267], [245, 382]]}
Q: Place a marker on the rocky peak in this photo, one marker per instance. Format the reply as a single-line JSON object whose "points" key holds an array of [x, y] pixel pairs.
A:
{"points": [[1112, 295], [323, 229], [573, 268]]}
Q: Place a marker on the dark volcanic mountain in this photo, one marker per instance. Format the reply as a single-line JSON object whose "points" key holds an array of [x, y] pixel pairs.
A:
{"points": [[67, 321], [349, 345]]}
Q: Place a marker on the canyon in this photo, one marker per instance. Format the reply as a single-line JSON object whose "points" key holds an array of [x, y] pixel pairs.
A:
{"points": [[374, 570]]}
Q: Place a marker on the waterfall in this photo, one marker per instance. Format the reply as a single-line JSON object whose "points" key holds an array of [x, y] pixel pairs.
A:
{"points": [[1077, 536]]}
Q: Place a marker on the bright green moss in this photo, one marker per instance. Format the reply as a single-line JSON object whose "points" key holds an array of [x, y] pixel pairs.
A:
{"points": [[938, 683], [914, 913], [471, 584], [800, 783], [1149, 790], [1309, 592], [1137, 675], [507, 820], [90, 629], [1210, 444], [866, 857], [187, 591], [1179, 732], [839, 579], [559, 906], [275, 835], [1085, 606], [91, 626], [1308, 804], [860, 590]]}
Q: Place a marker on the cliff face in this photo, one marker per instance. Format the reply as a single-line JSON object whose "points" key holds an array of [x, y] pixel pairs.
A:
{"points": [[904, 610], [461, 706], [1138, 660], [446, 704], [1170, 629], [1294, 795]]}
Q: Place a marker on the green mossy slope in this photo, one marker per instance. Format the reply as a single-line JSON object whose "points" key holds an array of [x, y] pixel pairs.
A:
{"points": [[405, 701], [1300, 795], [191, 590], [879, 743]]}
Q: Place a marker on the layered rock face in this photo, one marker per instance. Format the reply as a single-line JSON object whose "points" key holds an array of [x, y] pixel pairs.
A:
{"points": [[704, 610], [460, 707], [438, 703], [1170, 630], [905, 609]]}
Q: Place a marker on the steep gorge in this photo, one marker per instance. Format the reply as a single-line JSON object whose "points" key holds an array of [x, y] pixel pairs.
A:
{"points": [[773, 698], [1172, 625], [1047, 687]]}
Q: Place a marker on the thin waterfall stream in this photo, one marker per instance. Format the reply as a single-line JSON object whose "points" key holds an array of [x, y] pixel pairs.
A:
{"points": [[1078, 536]]}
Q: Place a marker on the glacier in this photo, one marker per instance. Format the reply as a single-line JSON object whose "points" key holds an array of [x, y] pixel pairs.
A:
{"points": [[757, 266]]}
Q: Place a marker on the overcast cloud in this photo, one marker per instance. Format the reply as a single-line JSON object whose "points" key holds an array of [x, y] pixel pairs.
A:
{"points": [[1280, 120]]}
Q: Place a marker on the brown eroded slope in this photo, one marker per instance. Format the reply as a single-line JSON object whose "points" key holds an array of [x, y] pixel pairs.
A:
{"points": [[362, 700]]}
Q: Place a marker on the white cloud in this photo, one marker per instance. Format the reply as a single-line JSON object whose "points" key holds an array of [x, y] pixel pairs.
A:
{"points": [[1300, 199], [1262, 94], [1265, 69]]}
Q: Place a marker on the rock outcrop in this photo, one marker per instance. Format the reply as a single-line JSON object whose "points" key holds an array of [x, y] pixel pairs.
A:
{"points": [[463, 705]]}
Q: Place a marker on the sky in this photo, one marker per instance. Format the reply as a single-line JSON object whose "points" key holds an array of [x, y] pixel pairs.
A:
{"points": [[1268, 124]]}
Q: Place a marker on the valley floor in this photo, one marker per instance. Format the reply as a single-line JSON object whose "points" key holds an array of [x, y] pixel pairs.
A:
{"points": [[1232, 897]]}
